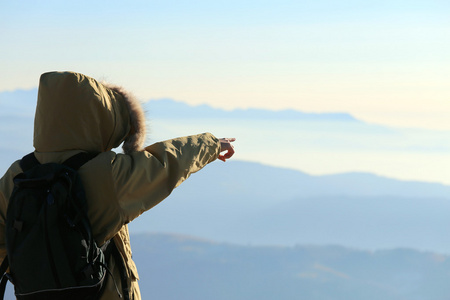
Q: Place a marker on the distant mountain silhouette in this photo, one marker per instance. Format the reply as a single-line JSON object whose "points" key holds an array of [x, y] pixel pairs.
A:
{"points": [[24, 101], [167, 108]]}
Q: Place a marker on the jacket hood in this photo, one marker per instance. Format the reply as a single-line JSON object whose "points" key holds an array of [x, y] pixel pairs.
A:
{"points": [[76, 112]]}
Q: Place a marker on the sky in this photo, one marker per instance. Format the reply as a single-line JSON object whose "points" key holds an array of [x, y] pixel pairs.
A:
{"points": [[384, 62]]}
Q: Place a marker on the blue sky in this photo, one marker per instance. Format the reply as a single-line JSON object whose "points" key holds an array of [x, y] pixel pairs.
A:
{"points": [[386, 62]]}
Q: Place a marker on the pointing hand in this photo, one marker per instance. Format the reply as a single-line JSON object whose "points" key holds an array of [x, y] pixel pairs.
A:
{"points": [[225, 145]]}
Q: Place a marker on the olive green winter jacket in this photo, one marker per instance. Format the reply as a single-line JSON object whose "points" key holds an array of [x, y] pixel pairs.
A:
{"points": [[75, 113]]}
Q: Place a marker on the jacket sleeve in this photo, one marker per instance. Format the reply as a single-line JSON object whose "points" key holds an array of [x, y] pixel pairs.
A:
{"points": [[143, 179], [6, 188]]}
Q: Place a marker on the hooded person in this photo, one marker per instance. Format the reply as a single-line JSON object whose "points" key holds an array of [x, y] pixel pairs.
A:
{"points": [[76, 113]]}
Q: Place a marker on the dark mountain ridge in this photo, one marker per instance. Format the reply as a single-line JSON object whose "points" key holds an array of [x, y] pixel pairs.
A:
{"points": [[180, 267]]}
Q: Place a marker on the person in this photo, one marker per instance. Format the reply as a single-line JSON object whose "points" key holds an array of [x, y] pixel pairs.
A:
{"points": [[76, 113]]}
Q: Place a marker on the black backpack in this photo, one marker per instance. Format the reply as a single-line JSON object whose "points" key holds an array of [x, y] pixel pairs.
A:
{"points": [[51, 252]]}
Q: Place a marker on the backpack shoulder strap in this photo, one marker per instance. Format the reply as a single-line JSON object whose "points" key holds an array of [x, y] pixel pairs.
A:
{"points": [[28, 162], [76, 161], [4, 276]]}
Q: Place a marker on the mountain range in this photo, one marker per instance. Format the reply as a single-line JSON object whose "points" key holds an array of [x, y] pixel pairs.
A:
{"points": [[253, 204], [248, 202]]}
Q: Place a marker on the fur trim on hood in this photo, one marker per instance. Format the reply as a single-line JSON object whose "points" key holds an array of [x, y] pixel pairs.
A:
{"points": [[135, 140]]}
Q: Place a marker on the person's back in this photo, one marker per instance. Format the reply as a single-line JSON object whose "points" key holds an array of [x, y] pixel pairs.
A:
{"points": [[75, 113]]}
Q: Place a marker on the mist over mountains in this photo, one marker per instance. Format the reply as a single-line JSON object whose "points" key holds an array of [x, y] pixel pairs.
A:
{"points": [[246, 202], [316, 144], [252, 204]]}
